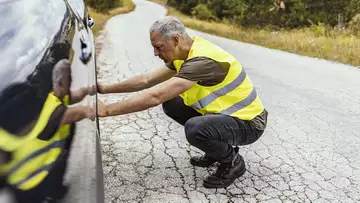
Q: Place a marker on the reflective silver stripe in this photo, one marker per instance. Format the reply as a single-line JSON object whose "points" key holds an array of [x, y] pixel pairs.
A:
{"points": [[44, 168], [241, 104], [57, 144], [202, 103]]}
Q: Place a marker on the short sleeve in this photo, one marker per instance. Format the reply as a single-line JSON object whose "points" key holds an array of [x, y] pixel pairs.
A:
{"points": [[171, 66], [203, 70]]}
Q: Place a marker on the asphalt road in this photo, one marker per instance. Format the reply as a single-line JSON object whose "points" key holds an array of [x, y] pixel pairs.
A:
{"points": [[309, 152]]}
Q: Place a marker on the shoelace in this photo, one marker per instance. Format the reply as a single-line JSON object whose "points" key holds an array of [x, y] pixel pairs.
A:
{"points": [[223, 168]]}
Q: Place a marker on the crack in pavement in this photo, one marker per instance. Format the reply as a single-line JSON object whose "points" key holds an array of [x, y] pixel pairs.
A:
{"points": [[178, 170]]}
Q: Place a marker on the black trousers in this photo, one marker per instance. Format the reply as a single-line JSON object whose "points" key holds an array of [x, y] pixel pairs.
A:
{"points": [[213, 134]]}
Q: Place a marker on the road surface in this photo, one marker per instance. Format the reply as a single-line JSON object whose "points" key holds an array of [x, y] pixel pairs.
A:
{"points": [[308, 153]]}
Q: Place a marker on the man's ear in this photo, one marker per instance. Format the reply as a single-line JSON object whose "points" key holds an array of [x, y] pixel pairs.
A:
{"points": [[60, 83], [176, 39]]}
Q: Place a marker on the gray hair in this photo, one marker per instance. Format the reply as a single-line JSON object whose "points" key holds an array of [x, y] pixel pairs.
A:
{"points": [[168, 26], [61, 70]]}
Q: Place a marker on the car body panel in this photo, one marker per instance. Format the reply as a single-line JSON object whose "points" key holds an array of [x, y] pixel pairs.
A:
{"points": [[34, 36], [25, 36]]}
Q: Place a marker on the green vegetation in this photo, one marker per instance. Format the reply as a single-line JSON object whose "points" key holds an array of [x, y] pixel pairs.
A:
{"points": [[103, 10], [317, 28]]}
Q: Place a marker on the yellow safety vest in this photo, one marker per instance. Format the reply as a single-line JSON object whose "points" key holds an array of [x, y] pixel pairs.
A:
{"points": [[234, 96], [33, 158]]}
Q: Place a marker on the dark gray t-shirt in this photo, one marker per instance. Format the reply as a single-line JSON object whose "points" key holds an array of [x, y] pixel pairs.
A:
{"points": [[208, 72], [205, 71]]}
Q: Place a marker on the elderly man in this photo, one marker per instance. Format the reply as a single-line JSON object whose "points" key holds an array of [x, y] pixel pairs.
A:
{"points": [[204, 89]]}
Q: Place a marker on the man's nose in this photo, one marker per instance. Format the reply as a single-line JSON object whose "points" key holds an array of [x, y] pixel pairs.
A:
{"points": [[156, 52]]}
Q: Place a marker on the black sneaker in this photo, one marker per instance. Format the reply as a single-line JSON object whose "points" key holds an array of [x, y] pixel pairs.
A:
{"points": [[226, 173], [202, 161]]}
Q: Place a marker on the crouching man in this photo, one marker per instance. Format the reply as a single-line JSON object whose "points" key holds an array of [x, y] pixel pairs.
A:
{"points": [[205, 89]]}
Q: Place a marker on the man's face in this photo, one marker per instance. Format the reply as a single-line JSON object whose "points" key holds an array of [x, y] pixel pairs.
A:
{"points": [[62, 75], [164, 49], [67, 82], [64, 83]]}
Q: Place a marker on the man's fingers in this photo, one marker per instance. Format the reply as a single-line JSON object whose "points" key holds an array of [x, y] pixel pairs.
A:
{"points": [[91, 113], [100, 88], [100, 102], [92, 90], [101, 108]]}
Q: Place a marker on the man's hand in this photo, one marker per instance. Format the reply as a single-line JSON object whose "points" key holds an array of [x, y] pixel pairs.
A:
{"points": [[102, 111], [75, 114], [101, 88], [91, 112], [92, 90], [78, 95]]}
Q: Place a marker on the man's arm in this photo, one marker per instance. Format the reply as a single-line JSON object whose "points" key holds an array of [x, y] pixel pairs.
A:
{"points": [[148, 99], [78, 95], [139, 82], [75, 114]]}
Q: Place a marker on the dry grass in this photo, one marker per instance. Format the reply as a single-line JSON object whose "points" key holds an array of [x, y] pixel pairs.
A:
{"points": [[102, 18], [315, 42]]}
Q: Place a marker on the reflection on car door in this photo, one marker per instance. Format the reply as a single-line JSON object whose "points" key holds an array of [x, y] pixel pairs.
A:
{"points": [[31, 43]]}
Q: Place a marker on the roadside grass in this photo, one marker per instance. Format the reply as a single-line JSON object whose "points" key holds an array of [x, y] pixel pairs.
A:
{"points": [[101, 18], [317, 41]]}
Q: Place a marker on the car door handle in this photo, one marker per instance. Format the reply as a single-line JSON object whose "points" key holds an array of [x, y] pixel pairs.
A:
{"points": [[85, 51]]}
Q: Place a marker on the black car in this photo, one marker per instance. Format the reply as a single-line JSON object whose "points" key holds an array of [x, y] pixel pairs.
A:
{"points": [[34, 36]]}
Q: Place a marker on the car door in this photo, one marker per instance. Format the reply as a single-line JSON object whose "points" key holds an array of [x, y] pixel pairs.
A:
{"points": [[34, 36], [84, 63]]}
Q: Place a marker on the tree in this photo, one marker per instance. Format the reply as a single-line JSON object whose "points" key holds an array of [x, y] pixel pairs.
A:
{"points": [[281, 13], [103, 5]]}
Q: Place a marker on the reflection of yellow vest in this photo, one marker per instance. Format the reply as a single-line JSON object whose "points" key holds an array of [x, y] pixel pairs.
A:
{"points": [[234, 96], [32, 158]]}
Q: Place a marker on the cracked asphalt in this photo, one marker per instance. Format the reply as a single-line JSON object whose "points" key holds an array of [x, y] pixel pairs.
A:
{"points": [[308, 153]]}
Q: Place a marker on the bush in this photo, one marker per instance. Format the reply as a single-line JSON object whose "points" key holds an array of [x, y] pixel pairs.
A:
{"points": [[184, 6], [202, 12], [279, 13], [354, 25], [103, 5], [320, 30], [227, 9]]}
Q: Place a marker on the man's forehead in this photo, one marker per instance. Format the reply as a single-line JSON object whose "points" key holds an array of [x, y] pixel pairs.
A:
{"points": [[155, 36]]}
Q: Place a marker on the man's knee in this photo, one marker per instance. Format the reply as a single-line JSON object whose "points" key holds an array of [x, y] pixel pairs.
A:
{"points": [[191, 130], [166, 106], [195, 130]]}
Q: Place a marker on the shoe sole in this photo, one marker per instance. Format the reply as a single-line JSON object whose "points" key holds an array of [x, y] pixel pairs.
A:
{"points": [[200, 165], [209, 185]]}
